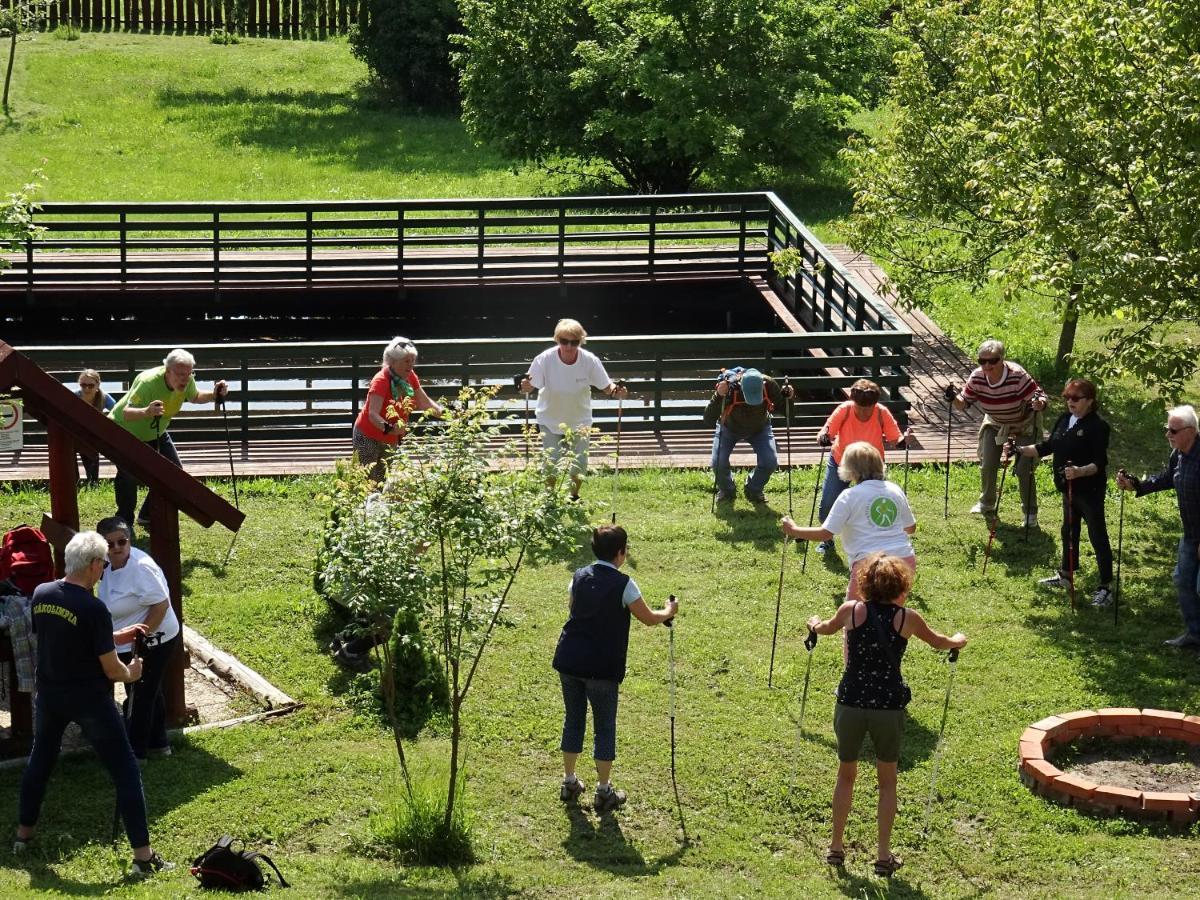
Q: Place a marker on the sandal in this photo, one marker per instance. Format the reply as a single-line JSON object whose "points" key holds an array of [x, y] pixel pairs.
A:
{"points": [[836, 858], [886, 868]]}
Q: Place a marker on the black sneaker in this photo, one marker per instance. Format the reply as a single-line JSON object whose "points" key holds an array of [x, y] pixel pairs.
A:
{"points": [[607, 801], [570, 790], [145, 868]]}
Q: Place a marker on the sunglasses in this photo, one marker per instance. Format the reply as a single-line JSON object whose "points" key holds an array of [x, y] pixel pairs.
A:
{"points": [[988, 361], [87, 385], [568, 342], [1074, 398], [119, 542], [1170, 430]]}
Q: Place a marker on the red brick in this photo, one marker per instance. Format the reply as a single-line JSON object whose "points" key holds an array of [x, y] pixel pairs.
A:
{"points": [[1117, 798], [1178, 734], [1192, 724], [1052, 725], [1120, 715], [1195, 802], [1083, 720], [1030, 750], [1033, 735], [1042, 772], [1136, 730], [1074, 786], [1161, 718], [1176, 804]]}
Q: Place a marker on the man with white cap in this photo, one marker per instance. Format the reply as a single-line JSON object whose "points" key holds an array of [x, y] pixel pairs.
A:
{"points": [[741, 408]]}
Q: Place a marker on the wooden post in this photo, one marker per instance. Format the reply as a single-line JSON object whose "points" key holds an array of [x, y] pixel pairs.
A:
{"points": [[164, 547], [64, 482]]}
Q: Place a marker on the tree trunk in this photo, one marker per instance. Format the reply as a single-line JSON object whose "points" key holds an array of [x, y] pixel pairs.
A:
{"points": [[1066, 337], [455, 738], [12, 54]]}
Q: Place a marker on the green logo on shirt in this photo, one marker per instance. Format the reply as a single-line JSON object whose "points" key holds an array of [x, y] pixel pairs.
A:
{"points": [[883, 511]]}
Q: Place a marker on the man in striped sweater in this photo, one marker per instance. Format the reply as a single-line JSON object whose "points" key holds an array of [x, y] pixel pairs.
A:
{"points": [[1012, 404]]}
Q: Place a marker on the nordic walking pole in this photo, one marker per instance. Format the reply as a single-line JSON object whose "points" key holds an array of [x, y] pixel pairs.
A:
{"points": [[810, 644], [517, 379], [139, 650], [952, 658], [812, 513], [949, 393], [905, 442], [787, 418], [778, 602], [720, 422], [229, 446], [1070, 537], [996, 512], [1120, 546], [617, 465], [674, 783], [1029, 492]]}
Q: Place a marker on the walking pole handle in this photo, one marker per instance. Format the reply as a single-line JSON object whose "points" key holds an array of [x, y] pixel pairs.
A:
{"points": [[517, 379], [810, 642], [952, 656], [671, 621]]}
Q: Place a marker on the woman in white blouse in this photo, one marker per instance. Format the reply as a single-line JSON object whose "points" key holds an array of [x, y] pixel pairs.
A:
{"points": [[134, 589]]}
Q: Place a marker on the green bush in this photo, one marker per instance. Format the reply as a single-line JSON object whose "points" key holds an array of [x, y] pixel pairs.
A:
{"points": [[221, 36], [67, 32], [406, 46], [415, 824]]}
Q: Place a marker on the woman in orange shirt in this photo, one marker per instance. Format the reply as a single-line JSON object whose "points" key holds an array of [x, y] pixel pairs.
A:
{"points": [[860, 418]]}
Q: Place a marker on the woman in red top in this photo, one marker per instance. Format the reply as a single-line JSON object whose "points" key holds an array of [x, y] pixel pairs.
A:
{"points": [[394, 394], [860, 418]]}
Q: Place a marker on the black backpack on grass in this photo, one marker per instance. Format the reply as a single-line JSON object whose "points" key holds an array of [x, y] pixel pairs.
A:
{"points": [[221, 867]]}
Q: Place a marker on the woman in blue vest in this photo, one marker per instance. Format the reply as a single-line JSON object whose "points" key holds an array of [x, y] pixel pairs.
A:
{"points": [[872, 694], [590, 660]]}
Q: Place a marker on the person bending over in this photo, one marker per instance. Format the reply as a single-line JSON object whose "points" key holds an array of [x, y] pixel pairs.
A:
{"points": [[741, 408], [76, 665], [872, 695], [590, 660]]}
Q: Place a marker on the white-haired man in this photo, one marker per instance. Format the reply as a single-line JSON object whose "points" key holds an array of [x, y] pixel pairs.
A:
{"points": [[1012, 403], [146, 410], [76, 664], [1183, 474]]}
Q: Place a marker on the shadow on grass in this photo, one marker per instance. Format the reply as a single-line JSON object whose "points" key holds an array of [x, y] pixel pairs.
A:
{"points": [[755, 526], [858, 886], [341, 127], [79, 807], [603, 845]]}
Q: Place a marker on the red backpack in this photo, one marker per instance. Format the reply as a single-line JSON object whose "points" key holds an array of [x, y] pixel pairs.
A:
{"points": [[25, 559]]}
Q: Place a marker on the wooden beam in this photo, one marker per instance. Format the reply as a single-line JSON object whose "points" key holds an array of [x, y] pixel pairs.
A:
{"points": [[64, 482]]}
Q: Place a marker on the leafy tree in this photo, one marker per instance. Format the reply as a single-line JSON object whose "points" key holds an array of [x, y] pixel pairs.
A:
{"points": [[406, 45], [16, 18], [444, 545], [16, 219], [1048, 146], [658, 92]]}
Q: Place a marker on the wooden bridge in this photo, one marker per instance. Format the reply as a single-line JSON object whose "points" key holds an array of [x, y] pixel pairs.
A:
{"points": [[292, 403]]}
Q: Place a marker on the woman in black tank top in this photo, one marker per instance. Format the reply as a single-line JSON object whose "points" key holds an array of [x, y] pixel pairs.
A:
{"points": [[872, 694]]}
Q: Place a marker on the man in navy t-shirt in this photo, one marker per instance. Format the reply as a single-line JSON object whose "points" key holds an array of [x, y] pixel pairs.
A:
{"points": [[76, 662]]}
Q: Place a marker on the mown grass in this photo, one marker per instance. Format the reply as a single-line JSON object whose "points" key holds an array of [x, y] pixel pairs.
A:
{"points": [[755, 798]]}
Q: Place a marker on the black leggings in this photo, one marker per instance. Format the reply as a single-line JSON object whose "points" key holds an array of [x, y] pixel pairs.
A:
{"points": [[1086, 506]]}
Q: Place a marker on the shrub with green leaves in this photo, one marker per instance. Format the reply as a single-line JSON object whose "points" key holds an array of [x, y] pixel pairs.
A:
{"points": [[406, 45]]}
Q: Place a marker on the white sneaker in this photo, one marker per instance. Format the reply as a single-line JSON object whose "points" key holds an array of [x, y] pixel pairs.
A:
{"points": [[1102, 597], [1031, 520], [1054, 582], [978, 510]]}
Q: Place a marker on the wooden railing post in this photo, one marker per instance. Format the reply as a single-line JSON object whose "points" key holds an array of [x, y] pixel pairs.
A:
{"points": [[216, 245], [244, 402], [29, 270], [124, 250], [400, 250], [562, 242], [742, 239], [480, 240]]}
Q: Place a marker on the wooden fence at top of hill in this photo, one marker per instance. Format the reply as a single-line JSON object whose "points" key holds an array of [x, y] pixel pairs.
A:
{"points": [[311, 19]]}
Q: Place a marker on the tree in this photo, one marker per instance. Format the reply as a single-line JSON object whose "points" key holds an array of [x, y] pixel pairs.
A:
{"points": [[1048, 146], [406, 45], [443, 544], [16, 219], [654, 93], [17, 18]]}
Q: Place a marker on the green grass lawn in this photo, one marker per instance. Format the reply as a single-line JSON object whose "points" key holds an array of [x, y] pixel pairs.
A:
{"points": [[756, 800]]}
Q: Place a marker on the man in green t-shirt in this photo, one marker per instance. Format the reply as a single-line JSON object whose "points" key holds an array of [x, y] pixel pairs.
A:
{"points": [[146, 410]]}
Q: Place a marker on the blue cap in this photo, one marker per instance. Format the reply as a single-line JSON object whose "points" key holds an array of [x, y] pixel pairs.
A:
{"points": [[752, 386]]}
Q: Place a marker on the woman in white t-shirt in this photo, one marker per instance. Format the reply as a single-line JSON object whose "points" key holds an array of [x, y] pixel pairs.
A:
{"points": [[872, 517], [134, 589], [564, 376]]}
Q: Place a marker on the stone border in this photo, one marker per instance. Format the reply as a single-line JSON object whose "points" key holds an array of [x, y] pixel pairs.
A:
{"points": [[1039, 740]]}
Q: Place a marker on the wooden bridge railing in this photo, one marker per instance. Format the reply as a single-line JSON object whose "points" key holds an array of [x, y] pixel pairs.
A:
{"points": [[311, 390]]}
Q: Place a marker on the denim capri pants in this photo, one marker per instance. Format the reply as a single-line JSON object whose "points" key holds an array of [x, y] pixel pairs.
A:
{"points": [[602, 695]]}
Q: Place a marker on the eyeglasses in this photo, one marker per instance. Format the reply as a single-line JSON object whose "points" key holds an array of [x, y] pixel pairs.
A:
{"points": [[1074, 398], [119, 542], [87, 385], [568, 342], [1170, 430], [988, 361]]}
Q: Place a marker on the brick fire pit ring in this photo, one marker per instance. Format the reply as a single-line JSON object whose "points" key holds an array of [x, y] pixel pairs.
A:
{"points": [[1039, 740]]}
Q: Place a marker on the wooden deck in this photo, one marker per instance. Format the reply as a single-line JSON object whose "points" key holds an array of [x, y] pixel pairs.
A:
{"points": [[936, 361]]}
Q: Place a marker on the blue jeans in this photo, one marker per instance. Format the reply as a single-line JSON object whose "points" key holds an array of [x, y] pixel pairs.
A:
{"points": [[763, 444], [832, 488], [102, 726], [1187, 584], [602, 695], [126, 486]]}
